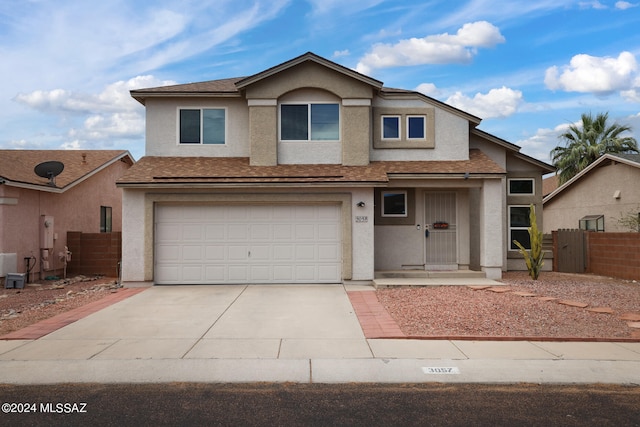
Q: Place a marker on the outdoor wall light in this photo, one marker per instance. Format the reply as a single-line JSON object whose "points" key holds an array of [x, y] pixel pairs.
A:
{"points": [[360, 204]]}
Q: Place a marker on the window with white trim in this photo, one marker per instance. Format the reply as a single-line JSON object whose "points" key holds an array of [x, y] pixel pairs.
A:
{"points": [[202, 126], [519, 223], [521, 186], [416, 127], [394, 204], [390, 127], [310, 122]]}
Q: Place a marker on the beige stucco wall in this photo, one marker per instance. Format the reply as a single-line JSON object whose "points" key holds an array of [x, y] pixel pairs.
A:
{"points": [[357, 223], [451, 132], [402, 246], [162, 124], [593, 194], [77, 209]]}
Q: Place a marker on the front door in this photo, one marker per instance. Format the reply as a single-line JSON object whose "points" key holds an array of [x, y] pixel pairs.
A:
{"points": [[441, 238]]}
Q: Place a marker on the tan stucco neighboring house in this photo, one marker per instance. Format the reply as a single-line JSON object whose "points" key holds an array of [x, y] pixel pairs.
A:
{"points": [[309, 172], [597, 197], [37, 212]]}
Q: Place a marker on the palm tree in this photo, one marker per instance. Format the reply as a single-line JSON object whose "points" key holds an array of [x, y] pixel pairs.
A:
{"points": [[585, 144]]}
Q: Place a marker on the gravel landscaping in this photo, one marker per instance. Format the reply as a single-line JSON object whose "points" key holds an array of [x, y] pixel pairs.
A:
{"points": [[528, 309], [46, 298]]}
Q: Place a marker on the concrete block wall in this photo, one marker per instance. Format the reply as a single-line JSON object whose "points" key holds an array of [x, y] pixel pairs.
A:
{"points": [[614, 254], [94, 253]]}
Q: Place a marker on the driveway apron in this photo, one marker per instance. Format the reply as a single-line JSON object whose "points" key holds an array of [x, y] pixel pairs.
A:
{"points": [[227, 321]]}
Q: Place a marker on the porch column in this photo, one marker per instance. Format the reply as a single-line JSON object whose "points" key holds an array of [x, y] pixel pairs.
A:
{"points": [[492, 228]]}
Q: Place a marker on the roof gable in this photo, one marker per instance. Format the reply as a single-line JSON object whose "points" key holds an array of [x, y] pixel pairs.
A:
{"points": [[308, 57], [632, 160], [17, 166]]}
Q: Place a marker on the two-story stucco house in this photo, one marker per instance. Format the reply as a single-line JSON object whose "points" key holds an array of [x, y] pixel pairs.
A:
{"points": [[309, 172]]}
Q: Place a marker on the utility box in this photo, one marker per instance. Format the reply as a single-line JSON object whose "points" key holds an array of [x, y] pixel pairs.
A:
{"points": [[14, 280]]}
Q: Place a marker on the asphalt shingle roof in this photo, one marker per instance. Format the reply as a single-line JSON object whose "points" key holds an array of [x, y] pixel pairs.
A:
{"points": [[237, 170], [18, 165]]}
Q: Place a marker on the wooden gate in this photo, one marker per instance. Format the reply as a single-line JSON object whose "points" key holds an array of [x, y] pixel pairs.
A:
{"points": [[570, 253]]}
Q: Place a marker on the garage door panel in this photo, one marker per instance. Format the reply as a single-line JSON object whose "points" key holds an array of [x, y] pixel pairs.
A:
{"points": [[167, 253], [215, 253], [328, 253], [236, 253], [237, 232], [282, 232], [214, 232], [192, 273], [248, 244], [305, 232], [192, 253], [328, 232], [260, 232], [238, 273], [283, 252]]}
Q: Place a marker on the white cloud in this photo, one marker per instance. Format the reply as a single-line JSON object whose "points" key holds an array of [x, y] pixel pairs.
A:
{"points": [[624, 5], [115, 97], [435, 49], [429, 89], [341, 53], [592, 5], [600, 75], [540, 145], [108, 115], [502, 102]]}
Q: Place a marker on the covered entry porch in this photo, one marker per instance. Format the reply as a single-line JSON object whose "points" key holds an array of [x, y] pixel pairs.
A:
{"points": [[440, 226]]}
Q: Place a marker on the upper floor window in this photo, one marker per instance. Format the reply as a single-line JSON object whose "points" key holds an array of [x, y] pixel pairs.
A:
{"points": [[521, 186], [310, 122], [202, 126], [415, 127], [390, 127]]}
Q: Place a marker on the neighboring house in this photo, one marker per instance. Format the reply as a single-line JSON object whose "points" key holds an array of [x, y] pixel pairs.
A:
{"points": [[37, 212], [549, 185], [597, 197], [309, 172]]}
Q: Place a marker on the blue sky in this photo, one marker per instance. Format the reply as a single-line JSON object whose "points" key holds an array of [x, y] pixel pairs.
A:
{"points": [[527, 68]]}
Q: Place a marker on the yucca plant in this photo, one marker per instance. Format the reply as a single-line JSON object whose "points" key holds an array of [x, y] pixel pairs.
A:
{"points": [[534, 256]]}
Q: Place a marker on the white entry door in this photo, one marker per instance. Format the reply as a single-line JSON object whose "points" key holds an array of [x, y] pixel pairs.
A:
{"points": [[442, 238], [203, 244]]}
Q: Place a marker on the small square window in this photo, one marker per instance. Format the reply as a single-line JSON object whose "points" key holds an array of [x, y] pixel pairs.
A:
{"points": [[394, 203], [390, 127], [521, 186], [416, 127]]}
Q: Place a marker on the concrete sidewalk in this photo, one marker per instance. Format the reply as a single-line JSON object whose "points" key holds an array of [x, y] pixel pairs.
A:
{"points": [[285, 334]]}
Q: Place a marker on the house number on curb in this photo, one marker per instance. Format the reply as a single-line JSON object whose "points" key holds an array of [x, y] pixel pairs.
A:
{"points": [[362, 219], [441, 371]]}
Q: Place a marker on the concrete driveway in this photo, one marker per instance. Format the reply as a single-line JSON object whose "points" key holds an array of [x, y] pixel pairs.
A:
{"points": [[235, 322], [284, 333]]}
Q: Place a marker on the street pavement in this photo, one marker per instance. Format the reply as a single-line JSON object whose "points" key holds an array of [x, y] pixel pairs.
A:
{"points": [[286, 333]]}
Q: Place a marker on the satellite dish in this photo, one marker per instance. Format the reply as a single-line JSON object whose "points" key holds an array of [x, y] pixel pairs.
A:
{"points": [[49, 170]]}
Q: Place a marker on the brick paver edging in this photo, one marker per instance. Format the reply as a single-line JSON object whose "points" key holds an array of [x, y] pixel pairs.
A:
{"points": [[374, 319], [45, 327]]}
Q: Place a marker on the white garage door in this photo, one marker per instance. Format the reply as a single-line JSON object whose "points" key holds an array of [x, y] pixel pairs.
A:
{"points": [[247, 244]]}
